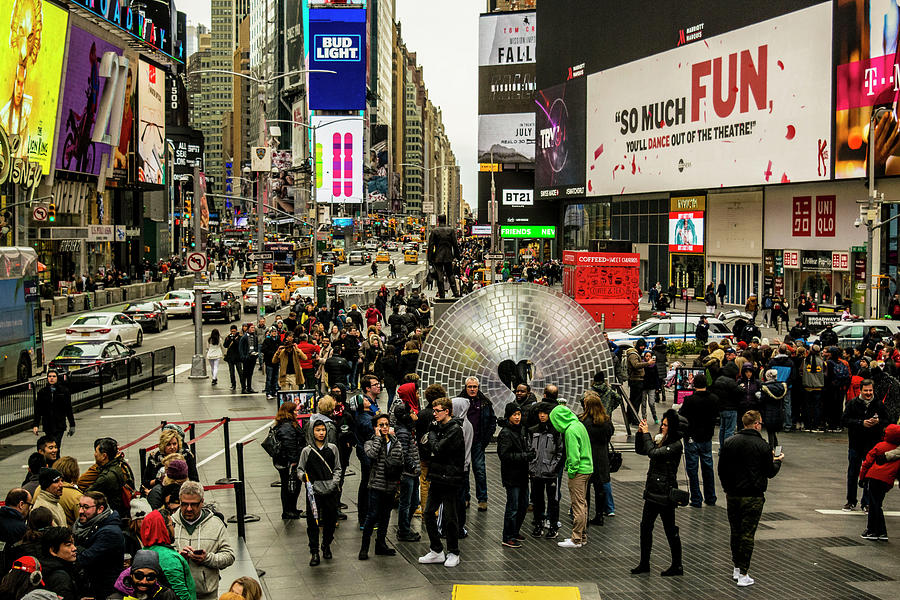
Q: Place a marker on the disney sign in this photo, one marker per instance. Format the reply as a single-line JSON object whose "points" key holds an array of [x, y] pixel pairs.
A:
{"points": [[16, 170]]}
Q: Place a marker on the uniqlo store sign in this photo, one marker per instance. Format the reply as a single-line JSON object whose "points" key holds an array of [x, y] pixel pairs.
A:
{"points": [[813, 215]]}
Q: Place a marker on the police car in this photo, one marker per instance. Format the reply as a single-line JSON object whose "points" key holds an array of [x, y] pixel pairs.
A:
{"points": [[671, 327], [850, 334]]}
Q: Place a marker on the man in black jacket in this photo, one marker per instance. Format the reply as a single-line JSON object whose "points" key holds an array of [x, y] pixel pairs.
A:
{"points": [[443, 249], [700, 410], [232, 355], [746, 463], [248, 349], [729, 394], [445, 445], [865, 418], [702, 331], [52, 408], [12, 521]]}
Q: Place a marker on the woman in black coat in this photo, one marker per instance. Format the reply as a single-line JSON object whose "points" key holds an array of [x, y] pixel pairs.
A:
{"points": [[291, 442], [662, 477], [600, 429], [52, 408]]}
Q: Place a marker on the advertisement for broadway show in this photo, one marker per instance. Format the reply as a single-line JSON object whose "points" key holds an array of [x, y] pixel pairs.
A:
{"points": [[559, 154], [151, 166], [30, 68], [742, 108], [337, 42], [80, 101]]}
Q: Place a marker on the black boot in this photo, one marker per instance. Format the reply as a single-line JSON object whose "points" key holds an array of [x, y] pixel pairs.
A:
{"points": [[326, 552], [676, 569], [364, 548], [598, 520], [382, 549], [646, 546], [314, 559]]}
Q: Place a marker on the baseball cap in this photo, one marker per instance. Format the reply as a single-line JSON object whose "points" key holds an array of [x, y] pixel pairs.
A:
{"points": [[29, 564]]}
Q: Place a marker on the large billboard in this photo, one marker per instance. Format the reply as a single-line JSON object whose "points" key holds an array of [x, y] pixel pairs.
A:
{"points": [[867, 78], [559, 139], [743, 108], [337, 42], [339, 159], [151, 130], [31, 64], [506, 87], [80, 101]]}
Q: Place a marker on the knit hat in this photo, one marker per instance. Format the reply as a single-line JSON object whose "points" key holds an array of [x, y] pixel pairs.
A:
{"points": [[177, 470], [140, 508], [511, 409], [742, 345], [48, 477], [40, 594], [145, 559], [545, 407]]}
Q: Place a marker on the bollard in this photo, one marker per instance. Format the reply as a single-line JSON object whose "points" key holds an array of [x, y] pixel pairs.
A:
{"points": [[241, 509], [142, 454], [247, 518], [228, 478], [192, 431], [152, 371]]}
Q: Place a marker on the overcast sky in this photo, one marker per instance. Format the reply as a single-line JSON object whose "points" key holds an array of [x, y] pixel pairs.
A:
{"points": [[444, 36]]}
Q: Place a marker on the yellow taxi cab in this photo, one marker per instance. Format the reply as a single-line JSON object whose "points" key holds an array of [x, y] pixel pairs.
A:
{"points": [[383, 257], [298, 281], [339, 254], [276, 281], [410, 257]]}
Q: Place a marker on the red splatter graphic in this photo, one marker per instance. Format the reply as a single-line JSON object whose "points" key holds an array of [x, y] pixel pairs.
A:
{"points": [[598, 152], [784, 178], [615, 168], [633, 167], [623, 190], [735, 89], [791, 132], [592, 167], [781, 65], [590, 186], [770, 107], [679, 65], [705, 42], [768, 172]]}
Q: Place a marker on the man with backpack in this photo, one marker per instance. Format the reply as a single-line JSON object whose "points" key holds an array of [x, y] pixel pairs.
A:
{"points": [[783, 364], [837, 380], [114, 477]]}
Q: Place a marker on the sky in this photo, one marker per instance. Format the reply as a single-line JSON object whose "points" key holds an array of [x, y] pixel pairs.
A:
{"points": [[444, 36]]}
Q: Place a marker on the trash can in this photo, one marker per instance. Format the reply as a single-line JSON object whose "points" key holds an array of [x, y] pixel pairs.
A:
{"points": [[70, 303]]}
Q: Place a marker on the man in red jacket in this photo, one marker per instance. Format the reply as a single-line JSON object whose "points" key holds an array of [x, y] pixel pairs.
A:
{"points": [[308, 366], [373, 315]]}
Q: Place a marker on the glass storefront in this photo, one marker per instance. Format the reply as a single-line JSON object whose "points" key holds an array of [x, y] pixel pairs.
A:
{"points": [[585, 222], [687, 272]]}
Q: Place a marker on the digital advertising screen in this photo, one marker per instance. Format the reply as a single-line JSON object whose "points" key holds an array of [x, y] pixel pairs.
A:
{"points": [[80, 101], [339, 159], [686, 231], [559, 140], [506, 138], [337, 42], [30, 70], [151, 129]]}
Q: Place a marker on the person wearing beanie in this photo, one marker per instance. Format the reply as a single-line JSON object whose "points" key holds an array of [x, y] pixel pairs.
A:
{"points": [[579, 468], [48, 494], [544, 470], [514, 454], [772, 397], [138, 510], [812, 377], [664, 452], [176, 473], [157, 537], [142, 579], [700, 410]]}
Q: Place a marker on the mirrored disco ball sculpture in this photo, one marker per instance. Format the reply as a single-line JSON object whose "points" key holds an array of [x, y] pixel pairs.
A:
{"points": [[506, 331]]}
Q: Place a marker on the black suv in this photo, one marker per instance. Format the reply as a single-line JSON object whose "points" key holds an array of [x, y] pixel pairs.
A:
{"points": [[219, 304]]}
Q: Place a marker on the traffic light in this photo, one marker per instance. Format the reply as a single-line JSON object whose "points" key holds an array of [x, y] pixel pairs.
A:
{"points": [[187, 207], [51, 212]]}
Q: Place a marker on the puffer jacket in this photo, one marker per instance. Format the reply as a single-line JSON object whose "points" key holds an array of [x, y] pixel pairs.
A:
{"points": [[888, 471], [290, 438], [445, 444], [208, 534], [404, 428], [322, 467], [662, 475], [812, 372], [547, 445], [513, 451], [746, 464], [376, 451], [726, 389]]}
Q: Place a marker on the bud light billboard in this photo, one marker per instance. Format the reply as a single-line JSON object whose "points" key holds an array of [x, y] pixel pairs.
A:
{"points": [[337, 42]]}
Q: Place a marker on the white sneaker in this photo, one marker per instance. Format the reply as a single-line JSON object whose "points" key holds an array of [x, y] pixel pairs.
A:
{"points": [[452, 560], [737, 574], [432, 558], [568, 543], [744, 581]]}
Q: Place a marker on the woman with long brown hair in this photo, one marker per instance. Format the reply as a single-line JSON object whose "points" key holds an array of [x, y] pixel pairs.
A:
{"points": [[600, 429], [290, 442]]}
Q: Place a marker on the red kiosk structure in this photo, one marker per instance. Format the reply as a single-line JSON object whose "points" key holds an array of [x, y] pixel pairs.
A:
{"points": [[605, 284]]}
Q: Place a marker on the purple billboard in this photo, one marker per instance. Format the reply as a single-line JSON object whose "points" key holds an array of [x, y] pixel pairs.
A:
{"points": [[80, 100]]}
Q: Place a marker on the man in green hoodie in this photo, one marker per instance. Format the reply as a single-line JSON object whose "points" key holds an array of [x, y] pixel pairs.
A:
{"points": [[579, 467]]}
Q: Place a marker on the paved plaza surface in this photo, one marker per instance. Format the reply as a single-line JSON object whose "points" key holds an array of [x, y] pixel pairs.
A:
{"points": [[800, 553]]}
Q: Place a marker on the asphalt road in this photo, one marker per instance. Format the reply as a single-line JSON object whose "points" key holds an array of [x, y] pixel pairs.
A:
{"points": [[181, 330]]}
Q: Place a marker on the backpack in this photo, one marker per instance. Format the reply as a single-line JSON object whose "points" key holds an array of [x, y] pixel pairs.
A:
{"points": [[767, 303], [840, 373], [128, 484], [776, 306]]}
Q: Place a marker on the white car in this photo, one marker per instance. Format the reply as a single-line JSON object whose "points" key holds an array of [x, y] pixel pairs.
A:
{"points": [[302, 292], [106, 326], [271, 300], [672, 328], [179, 302]]}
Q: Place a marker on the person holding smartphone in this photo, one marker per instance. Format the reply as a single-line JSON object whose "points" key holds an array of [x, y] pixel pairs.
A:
{"points": [[746, 463]]}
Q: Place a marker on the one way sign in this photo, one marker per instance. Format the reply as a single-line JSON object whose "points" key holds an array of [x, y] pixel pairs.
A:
{"points": [[261, 256]]}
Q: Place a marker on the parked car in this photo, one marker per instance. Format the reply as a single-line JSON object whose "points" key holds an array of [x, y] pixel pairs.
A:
{"points": [[219, 304], [179, 303], [672, 328], [850, 333], [89, 363], [151, 316], [358, 257], [105, 326], [271, 299]]}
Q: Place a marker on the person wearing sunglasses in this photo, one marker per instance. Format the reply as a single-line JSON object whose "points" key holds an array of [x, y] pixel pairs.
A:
{"points": [[142, 579]]}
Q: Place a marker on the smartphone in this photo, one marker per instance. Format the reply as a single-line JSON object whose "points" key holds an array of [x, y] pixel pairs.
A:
{"points": [[777, 450]]}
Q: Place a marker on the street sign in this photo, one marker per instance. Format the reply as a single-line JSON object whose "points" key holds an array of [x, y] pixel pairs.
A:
{"points": [[428, 206], [345, 290], [493, 256], [39, 213], [196, 262], [258, 256]]}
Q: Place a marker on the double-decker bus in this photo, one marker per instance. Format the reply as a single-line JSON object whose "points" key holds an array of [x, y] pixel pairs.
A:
{"points": [[285, 257], [21, 331]]}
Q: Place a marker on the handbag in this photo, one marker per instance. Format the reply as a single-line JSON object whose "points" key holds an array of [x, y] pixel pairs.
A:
{"points": [[271, 444], [679, 497], [615, 458]]}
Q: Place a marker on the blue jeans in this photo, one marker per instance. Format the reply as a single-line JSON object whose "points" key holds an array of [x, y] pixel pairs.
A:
{"points": [[271, 380], [478, 468], [787, 411], [516, 507], [409, 500], [610, 505], [727, 425], [700, 453]]}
